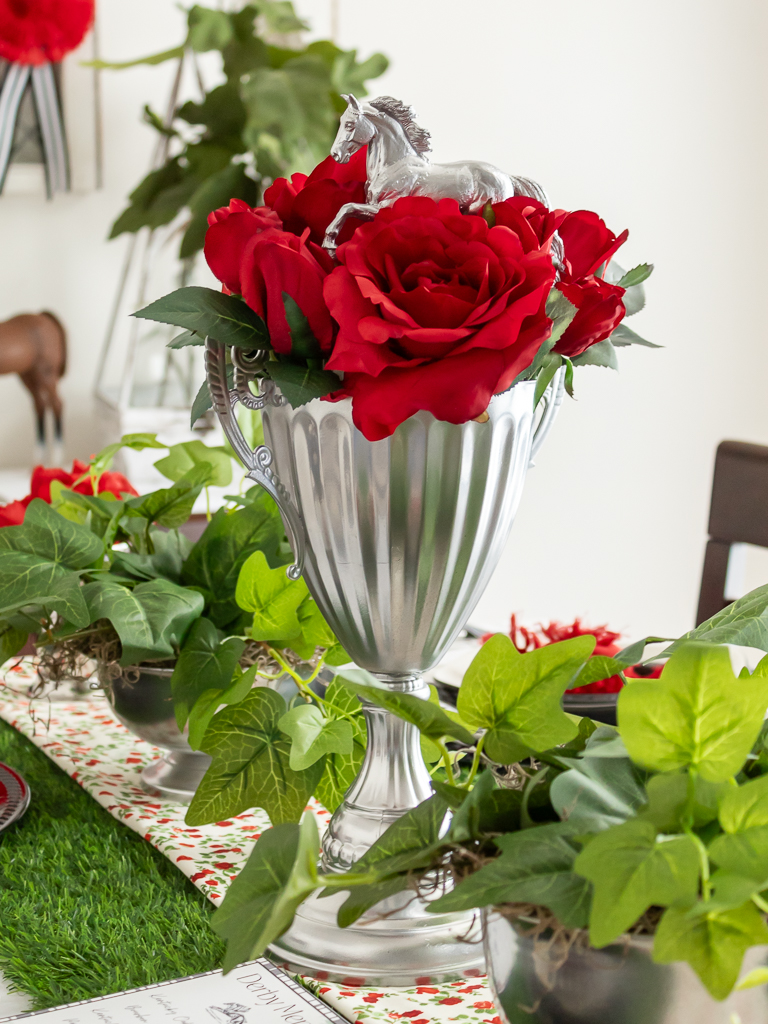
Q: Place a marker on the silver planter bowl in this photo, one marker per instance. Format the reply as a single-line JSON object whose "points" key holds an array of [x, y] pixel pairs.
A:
{"points": [[617, 985], [144, 705]]}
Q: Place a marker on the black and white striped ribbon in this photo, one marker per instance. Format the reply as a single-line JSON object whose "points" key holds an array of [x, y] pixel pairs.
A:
{"points": [[49, 117]]}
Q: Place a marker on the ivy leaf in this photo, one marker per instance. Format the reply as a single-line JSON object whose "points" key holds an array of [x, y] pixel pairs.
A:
{"points": [[29, 580], [250, 766], [429, 718], [209, 702], [516, 697], [151, 620], [631, 870], [314, 735], [172, 506], [745, 622], [341, 769], [52, 538], [713, 943], [215, 561], [260, 903], [273, 598], [409, 844], [535, 866], [300, 384], [12, 640], [597, 792], [743, 813], [185, 457], [667, 801], [486, 808], [697, 715], [204, 663], [223, 317]]}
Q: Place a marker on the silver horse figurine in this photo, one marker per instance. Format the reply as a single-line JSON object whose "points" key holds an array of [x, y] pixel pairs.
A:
{"points": [[398, 165]]}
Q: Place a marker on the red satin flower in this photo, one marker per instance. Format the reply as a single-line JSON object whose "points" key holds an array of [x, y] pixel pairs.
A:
{"points": [[436, 311], [40, 487], [42, 31], [229, 231], [588, 245], [312, 202]]}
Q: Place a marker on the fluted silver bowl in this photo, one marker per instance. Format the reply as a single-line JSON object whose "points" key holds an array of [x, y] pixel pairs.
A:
{"points": [[617, 985], [144, 705]]}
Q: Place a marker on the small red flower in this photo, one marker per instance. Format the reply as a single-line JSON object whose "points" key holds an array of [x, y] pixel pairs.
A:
{"points": [[485, 1004], [42, 31], [223, 865], [451, 1000], [426, 991]]}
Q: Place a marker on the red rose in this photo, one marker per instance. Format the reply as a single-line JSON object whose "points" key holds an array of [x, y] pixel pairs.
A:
{"points": [[531, 221], [436, 311], [588, 245], [13, 513], [312, 202], [229, 231], [42, 31], [258, 260]]}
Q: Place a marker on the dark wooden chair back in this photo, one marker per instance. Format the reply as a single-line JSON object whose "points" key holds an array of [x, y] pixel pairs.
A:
{"points": [[738, 514]]}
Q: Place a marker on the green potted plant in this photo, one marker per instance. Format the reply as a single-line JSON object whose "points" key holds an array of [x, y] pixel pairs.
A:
{"points": [[609, 864], [111, 587]]}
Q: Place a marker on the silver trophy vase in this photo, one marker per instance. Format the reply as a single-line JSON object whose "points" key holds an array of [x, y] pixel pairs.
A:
{"points": [[397, 540]]}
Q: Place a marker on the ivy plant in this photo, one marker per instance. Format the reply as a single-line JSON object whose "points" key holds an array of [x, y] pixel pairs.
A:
{"points": [[276, 112], [659, 824]]}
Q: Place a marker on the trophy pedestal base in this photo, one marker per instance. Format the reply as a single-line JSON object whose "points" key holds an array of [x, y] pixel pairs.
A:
{"points": [[405, 948], [176, 776]]}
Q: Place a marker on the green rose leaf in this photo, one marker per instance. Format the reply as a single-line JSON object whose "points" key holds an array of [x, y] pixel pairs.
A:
{"points": [[713, 943], [205, 662], [151, 620], [260, 903], [250, 765], [300, 384], [224, 317], [535, 866], [314, 735], [696, 715], [602, 353], [516, 697], [632, 869], [273, 598], [636, 275]]}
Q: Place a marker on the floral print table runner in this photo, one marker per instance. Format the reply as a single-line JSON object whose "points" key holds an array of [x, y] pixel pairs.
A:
{"points": [[86, 741]]}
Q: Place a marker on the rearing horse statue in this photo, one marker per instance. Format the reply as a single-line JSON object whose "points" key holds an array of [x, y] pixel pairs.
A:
{"points": [[398, 164]]}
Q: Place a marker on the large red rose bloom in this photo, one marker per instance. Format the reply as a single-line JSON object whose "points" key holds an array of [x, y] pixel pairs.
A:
{"points": [[42, 31], [436, 311]]}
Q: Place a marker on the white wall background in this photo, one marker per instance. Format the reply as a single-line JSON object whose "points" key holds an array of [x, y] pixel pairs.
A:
{"points": [[653, 115]]}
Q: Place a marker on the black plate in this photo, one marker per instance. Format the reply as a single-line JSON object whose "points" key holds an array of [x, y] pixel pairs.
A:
{"points": [[14, 796]]}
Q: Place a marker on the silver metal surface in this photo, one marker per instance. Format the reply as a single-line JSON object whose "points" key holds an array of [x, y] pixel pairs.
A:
{"points": [[145, 707], [617, 985], [399, 539], [398, 164]]}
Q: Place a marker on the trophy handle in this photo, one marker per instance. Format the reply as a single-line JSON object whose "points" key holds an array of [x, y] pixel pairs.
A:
{"points": [[225, 396], [552, 399]]}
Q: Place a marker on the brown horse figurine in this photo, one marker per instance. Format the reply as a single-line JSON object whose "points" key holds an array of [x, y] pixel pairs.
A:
{"points": [[34, 345]]}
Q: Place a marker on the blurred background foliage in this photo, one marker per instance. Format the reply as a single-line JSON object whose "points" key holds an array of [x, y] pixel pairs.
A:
{"points": [[277, 112]]}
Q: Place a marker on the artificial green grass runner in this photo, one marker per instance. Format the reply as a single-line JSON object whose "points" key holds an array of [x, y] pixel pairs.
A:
{"points": [[88, 907]]}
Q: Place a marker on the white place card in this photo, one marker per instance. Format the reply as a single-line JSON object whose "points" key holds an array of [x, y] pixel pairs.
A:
{"points": [[253, 993]]}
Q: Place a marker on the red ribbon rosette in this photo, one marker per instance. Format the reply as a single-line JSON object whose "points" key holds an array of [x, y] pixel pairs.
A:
{"points": [[42, 31]]}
